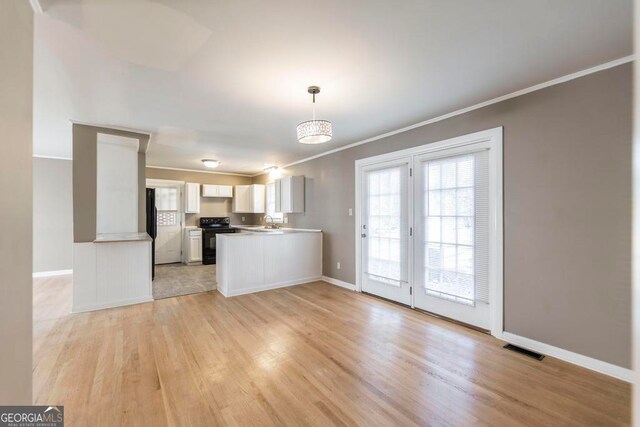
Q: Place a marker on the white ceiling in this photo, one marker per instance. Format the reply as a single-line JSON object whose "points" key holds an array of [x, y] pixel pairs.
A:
{"points": [[227, 79]]}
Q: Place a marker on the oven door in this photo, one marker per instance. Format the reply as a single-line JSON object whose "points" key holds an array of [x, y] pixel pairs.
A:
{"points": [[208, 247], [209, 244]]}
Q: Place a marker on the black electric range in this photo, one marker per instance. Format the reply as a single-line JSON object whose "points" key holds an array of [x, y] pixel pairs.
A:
{"points": [[210, 227]]}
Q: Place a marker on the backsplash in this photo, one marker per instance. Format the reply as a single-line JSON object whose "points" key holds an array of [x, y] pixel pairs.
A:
{"points": [[211, 207]]}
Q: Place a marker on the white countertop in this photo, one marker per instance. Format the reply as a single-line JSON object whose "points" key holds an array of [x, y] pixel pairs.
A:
{"points": [[248, 230], [122, 237]]}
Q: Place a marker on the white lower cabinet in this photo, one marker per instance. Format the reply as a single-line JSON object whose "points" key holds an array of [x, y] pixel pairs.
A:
{"points": [[249, 199], [192, 253]]}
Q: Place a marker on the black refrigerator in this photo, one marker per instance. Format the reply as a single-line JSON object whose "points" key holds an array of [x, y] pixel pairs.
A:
{"points": [[152, 226]]}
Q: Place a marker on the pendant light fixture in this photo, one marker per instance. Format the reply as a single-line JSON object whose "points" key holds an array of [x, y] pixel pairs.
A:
{"points": [[314, 131]]}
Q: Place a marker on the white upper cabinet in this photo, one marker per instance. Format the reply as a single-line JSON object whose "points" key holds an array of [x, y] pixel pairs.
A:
{"points": [[249, 199], [290, 194], [217, 190], [225, 191], [192, 197]]}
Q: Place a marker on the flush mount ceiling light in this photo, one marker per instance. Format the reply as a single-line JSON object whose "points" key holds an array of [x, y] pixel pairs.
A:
{"points": [[211, 164], [314, 131]]}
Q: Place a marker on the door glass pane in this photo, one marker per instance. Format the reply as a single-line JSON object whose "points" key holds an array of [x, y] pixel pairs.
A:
{"points": [[167, 199], [465, 231], [449, 216], [448, 230], [386, 223], [167, 218]]}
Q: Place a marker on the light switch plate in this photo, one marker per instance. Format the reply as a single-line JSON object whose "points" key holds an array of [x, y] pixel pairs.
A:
{"points": [[350, 212]]}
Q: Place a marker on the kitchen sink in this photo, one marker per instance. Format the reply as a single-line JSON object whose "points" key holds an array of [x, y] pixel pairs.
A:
{"points": [[263, 229]]}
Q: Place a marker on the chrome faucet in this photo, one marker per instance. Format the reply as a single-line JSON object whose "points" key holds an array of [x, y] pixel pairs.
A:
{"points": [[267, 225]]}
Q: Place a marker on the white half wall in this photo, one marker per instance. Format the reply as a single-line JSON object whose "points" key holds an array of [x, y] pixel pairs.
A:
{"points": [[273, 261], [52, 215], [111, 274]]}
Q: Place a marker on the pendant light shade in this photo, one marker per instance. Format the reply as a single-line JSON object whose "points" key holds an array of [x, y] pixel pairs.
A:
{"points": [[314, 131]]}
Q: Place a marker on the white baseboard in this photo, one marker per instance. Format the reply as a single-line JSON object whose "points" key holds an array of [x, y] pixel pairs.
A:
{"points": [[113, 304], [52, 273], [340, 283], [269, 286], [606, 368]]}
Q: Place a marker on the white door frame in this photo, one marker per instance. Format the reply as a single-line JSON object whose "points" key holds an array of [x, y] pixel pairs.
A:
{"points": [[492, 137], [155, 182]]}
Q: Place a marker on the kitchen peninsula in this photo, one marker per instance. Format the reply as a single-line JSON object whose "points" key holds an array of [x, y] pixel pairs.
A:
{"points": [[259, 259]]}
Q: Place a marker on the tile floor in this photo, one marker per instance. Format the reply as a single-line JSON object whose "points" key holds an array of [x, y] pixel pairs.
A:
{"points": [[178, 279]]}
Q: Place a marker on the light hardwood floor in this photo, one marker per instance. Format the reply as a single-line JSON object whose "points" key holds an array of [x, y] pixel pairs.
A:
{"points": [[312, 354]]}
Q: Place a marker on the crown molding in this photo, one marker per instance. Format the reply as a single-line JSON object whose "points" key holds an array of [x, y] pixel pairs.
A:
{"points": [[553, 82], [559, 80]]}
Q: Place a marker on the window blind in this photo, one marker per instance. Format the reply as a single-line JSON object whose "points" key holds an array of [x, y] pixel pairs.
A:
{"points": [[456, 227], [387, 228]]}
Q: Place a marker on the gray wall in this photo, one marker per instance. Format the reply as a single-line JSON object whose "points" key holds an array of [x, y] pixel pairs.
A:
{"points": [[209, 206], [16, 107], [635, 403], [84, 183], [52, 215], [567, 209], [85, 140]]}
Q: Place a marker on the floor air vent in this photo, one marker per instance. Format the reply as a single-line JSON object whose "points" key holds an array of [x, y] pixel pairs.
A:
{"points": [[524, 351]]}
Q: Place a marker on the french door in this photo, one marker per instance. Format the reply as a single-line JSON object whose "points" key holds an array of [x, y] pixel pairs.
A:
{"points": [[452, 235], [385, 230], [430, 228]]}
